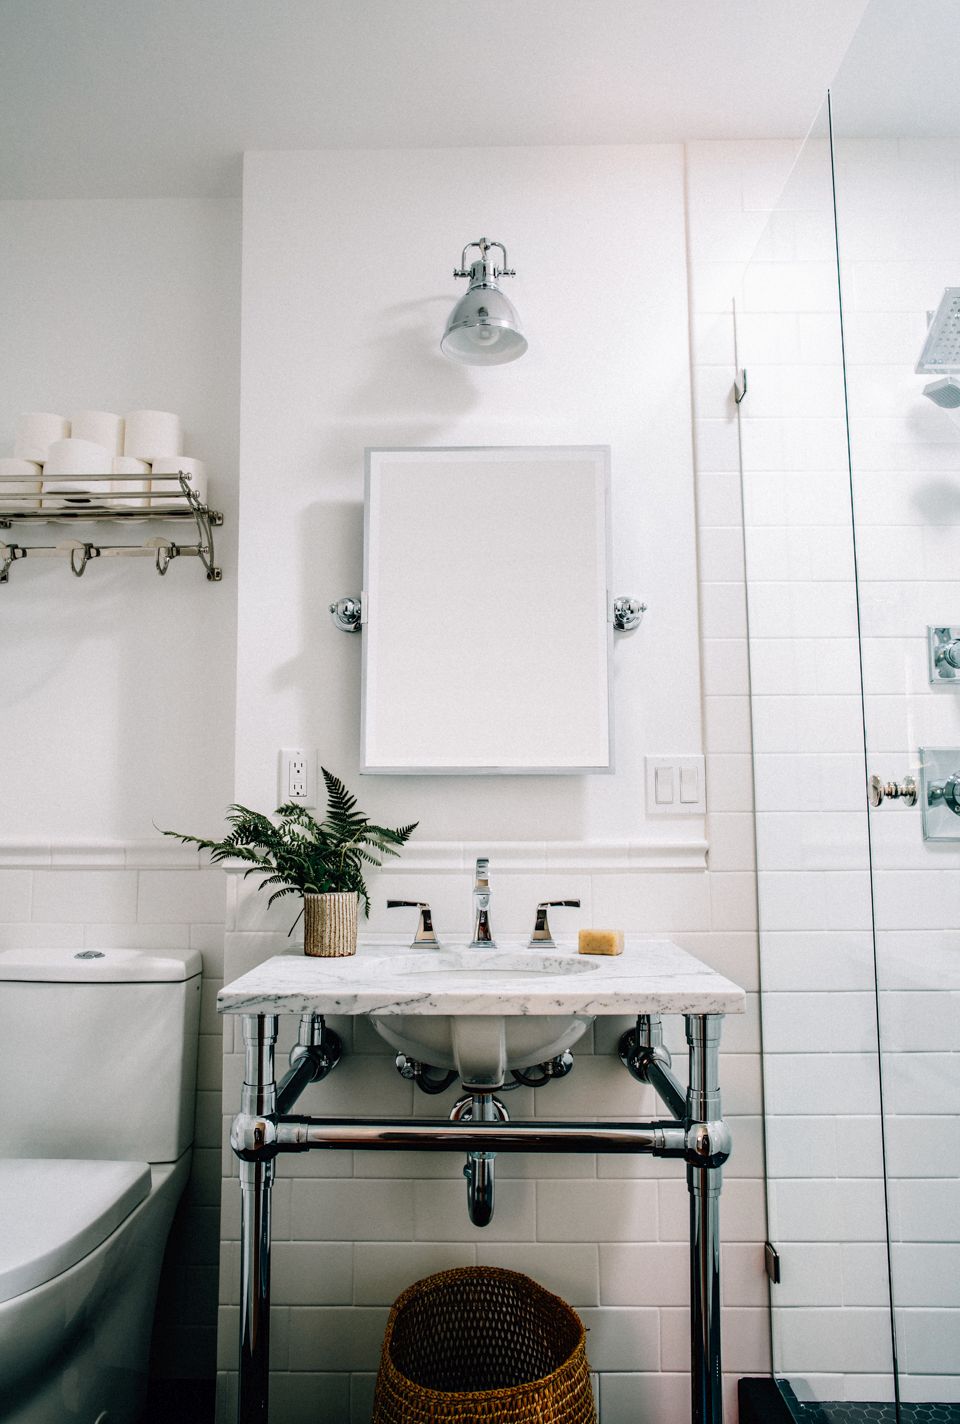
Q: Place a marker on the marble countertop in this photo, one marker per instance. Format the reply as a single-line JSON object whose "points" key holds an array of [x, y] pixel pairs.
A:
{"points": [[652, 976]]}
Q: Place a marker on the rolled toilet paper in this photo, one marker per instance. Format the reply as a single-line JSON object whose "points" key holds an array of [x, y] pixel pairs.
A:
{"points": [[100, 426], [168, 492], [35, 432], [74, 457], [20, 478], [152, 435], [139, 486]]}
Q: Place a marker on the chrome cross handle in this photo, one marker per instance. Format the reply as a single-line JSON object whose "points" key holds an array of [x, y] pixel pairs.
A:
{"points": [[541, 927], [425, 934]]}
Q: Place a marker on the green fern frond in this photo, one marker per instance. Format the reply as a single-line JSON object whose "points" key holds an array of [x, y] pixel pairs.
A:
{"points": [[297, 854]]}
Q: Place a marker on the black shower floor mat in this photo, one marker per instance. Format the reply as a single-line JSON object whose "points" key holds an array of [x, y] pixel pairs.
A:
{"points": [[854, 1413]]}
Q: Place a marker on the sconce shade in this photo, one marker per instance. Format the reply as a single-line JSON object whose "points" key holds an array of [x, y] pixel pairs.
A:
{"points": [[483, 329]]}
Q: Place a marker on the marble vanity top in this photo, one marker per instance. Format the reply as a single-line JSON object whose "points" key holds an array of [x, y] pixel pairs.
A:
{"points": [[652, 976]]}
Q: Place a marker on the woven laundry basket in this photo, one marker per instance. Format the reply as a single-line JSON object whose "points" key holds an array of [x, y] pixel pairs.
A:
{"points": [[483, 1344]]}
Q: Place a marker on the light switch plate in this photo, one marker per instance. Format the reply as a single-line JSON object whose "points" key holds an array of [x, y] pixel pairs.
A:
{"points": [[675, 786]]}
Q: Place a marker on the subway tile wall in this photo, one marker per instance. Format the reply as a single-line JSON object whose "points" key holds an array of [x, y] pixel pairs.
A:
{"points": [[790, 518], [897, 205], [140, 896], [824, 1151]]}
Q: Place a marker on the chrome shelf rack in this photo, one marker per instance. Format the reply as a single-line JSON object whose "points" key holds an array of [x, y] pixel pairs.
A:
{"points": [[107, 506]]}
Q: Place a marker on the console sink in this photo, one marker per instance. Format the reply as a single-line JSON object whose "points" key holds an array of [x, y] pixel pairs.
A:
{"points": [[483, 1011]]}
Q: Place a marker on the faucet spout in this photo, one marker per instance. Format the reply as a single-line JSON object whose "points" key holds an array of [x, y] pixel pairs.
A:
{"points": [[482, 932]]}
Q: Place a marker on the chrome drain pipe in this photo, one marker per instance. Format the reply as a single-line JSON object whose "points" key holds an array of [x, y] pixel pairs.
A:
{"points": [[315, 1054], [646, 1058], [479, 1168]]}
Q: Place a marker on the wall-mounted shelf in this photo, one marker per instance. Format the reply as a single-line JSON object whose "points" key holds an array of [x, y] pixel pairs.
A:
{"points": [[105, 505]]}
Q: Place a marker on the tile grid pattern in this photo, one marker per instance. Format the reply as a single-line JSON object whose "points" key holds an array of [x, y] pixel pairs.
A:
{"points": [[790, 539], [820, 1030]]}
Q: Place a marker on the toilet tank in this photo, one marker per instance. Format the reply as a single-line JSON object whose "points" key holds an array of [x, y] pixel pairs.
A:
{"points": [[98, 1052]]}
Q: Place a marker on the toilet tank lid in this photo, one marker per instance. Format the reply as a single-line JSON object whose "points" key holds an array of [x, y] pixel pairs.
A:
{"points": [[56, 1211], [44, 964]]}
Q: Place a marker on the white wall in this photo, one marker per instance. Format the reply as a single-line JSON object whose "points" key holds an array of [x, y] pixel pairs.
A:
{"points": [[346, 257], [117, 703], [118, 687], [347, 262]]}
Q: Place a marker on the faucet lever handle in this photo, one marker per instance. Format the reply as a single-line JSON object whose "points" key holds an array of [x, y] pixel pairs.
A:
{"points": [[541, 928], [425, 934]]}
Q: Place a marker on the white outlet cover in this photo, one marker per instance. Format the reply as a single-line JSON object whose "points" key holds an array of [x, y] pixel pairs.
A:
{"points": [[296, 776]]}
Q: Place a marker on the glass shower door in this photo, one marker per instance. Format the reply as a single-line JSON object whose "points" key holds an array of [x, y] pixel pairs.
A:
{"points": [[897, 160], [831, 1320], [848, 324]]}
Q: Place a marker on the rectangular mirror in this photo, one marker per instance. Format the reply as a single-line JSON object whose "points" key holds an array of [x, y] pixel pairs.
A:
{"points": [[486, 616]]}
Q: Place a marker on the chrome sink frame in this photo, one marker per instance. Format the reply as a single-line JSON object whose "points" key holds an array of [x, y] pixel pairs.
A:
{"points": [[695, 1133]]}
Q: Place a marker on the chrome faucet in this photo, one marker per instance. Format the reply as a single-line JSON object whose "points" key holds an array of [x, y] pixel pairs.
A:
{"points": [[482, 933]]}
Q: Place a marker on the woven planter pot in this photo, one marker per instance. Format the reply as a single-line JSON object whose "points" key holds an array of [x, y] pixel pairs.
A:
{"points": [[483, 1344], [330, 925]]}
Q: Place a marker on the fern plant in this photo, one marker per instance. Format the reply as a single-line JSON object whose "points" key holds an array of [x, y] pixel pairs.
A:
{"points": [[299, 855]]}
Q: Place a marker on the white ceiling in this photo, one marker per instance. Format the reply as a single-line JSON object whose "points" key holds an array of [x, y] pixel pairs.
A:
{"points": [[109, 98]]}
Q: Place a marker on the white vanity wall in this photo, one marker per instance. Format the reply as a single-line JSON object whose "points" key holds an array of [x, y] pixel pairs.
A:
{"points": [[347, 259], [117, 703]]}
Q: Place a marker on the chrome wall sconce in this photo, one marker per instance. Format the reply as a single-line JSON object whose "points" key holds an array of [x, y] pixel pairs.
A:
{"points": [[483, 329]]}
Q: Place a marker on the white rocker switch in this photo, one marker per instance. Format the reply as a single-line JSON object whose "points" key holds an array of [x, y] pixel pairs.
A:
{"points": [[675, 786], [663, 785]]}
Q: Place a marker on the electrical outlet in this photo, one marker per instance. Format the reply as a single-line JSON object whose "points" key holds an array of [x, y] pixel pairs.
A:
{"points": [[295, 780]]}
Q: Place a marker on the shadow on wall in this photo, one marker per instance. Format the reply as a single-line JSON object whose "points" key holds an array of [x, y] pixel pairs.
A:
{"points": [[407, 373]]}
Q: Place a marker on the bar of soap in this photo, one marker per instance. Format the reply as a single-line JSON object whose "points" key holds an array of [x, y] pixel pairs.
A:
{"points": [[601, 942]]}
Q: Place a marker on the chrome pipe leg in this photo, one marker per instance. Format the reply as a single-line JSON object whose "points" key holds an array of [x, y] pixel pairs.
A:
{"points": [[703, 1184], [256, 1179]]}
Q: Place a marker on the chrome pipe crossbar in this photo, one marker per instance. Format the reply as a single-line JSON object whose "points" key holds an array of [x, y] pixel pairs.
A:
{"points": [[298, 1134]]}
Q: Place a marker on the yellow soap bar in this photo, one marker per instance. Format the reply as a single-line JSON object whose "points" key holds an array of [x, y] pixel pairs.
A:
{"points": [[601, 942]]}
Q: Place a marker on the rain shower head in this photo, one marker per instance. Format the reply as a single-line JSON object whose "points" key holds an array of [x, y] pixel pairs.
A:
{"points": [[944, 393], [941, 350]]}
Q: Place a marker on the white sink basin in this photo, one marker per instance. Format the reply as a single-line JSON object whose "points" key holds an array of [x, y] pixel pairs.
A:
{"points": [[482, 1048], [483, 1011]]}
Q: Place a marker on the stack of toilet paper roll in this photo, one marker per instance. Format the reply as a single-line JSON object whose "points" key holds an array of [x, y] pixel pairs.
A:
{"points": [[52, 455]]}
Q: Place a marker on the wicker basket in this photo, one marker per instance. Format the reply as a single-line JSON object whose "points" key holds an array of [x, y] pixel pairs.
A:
{"points": [[483, 1344]]}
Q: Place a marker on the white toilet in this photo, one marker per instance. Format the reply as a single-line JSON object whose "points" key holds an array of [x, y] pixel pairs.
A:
{"points": [[98, 1053]]}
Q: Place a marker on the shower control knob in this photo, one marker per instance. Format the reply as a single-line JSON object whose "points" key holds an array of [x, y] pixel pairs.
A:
{"points": [[905, 791], [946, 793]]}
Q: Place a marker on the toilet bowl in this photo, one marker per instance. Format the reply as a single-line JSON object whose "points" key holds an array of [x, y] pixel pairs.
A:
{"points": [[84, 1227]]}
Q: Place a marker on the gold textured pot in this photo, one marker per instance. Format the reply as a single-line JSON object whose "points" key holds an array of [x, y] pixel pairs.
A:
{"points": [[330, 924]]}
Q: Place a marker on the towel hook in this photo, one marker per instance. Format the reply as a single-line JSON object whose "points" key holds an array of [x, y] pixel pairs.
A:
{"points": [[165, 552], [86, 552]]}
